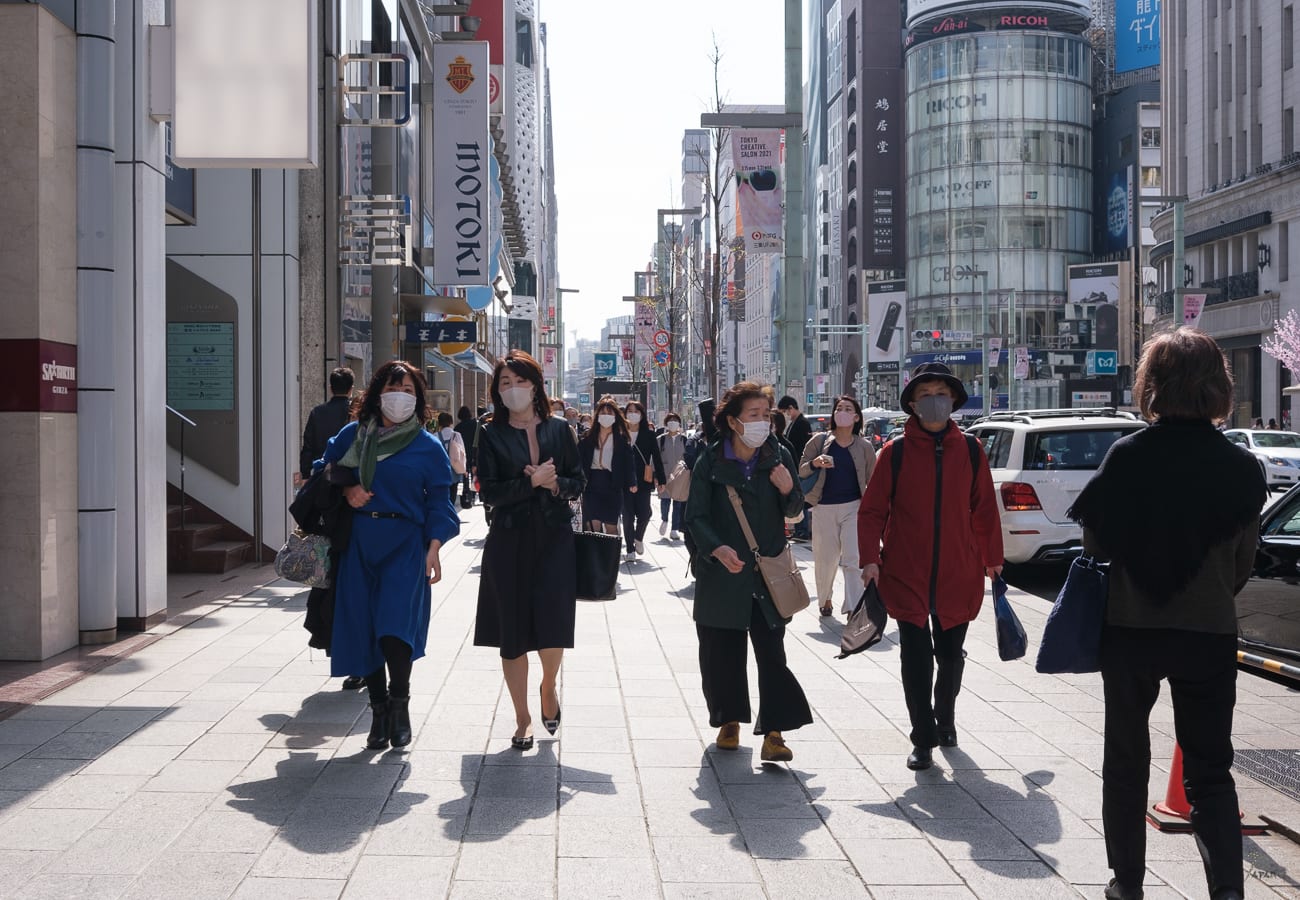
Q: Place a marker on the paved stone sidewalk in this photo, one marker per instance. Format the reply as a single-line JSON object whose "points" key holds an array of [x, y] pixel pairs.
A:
{"points": [[222, 761]]}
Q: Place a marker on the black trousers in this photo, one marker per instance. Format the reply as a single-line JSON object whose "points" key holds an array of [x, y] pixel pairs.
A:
{"points": [[921, 648], [1202, 673], [636, 513], [782, 705]]}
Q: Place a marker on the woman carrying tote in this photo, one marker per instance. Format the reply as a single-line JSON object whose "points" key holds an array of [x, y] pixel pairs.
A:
{"points": [[1175, 508], [528, 471], [731, 599], [843, 461], [606, 459], [399, 484], [673, 448], [649, 470]]}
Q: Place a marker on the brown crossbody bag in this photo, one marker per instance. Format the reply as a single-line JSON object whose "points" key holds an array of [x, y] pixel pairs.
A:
{"points": [[780, 573]]}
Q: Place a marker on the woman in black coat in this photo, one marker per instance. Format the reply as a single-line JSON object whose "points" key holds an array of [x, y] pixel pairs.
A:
{"points": [[1175, 508], [648, 467], [528, 471], [606, 457]]}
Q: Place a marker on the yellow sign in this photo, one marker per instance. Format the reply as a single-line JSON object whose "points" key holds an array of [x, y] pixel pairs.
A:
{"points": [[453, 349]]}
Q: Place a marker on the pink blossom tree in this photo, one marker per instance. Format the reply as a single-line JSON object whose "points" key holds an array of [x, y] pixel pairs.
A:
{"points": [[1284, 344]]}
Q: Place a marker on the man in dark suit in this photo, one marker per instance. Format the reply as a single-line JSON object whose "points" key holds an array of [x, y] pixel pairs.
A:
{"points": [[325, 421], [798, 431]]}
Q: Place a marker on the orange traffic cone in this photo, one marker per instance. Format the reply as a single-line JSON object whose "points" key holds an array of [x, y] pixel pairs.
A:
{"points": [[1174, 813]]}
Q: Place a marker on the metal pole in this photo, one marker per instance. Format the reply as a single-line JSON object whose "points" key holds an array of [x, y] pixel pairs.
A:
{"points": [[862, 372], [1010, 350], [1178, 264], [793, 359], [984, 339]]}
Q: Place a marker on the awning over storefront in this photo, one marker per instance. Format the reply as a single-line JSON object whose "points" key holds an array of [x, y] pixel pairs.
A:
{"points": [[470, 360]]}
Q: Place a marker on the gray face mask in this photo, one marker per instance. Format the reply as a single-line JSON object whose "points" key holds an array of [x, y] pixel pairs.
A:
{"points": [[934, 408]]}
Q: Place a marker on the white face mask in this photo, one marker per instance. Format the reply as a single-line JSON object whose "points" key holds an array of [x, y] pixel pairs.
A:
{"points": [[397, 406], [634, 418], [673, 427], [517, 399], [845, 419], [756, 433], [606, 420]]}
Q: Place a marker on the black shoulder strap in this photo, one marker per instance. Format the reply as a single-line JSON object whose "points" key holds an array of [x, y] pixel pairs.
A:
{"points": [[896, 463]]}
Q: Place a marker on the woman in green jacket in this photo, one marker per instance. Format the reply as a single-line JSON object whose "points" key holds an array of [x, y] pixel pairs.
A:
{"points": [[730, 596]]}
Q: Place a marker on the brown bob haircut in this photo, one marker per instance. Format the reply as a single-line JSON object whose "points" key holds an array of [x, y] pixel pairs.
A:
{"points": [[525, 367], [734, 400], [392, 373], [1183, 375]]}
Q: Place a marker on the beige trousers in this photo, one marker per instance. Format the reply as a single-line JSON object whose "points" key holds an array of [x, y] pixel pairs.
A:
{"points": [[835, 546]]}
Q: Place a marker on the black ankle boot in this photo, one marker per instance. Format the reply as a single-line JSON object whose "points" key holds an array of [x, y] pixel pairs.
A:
{"points": [[380, 725], [400, 720]]}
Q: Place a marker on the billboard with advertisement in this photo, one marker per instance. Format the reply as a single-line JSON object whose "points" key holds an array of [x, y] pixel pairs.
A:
{"points": [[921, 9], [887, 324], [1095, 288], [462, 146], [1137, 34], [882, 168], [756, 161], [1119, 211]]}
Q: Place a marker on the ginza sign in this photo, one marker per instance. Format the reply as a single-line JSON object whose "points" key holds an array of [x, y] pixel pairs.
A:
{"points": [[462, 211]]}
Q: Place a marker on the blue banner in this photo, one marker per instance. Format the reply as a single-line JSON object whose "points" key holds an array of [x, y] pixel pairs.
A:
{"points": [[606, 365], [441, 332], [1137, 34]]}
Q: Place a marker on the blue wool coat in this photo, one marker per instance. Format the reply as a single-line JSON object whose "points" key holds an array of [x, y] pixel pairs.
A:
{"points": [[383, 585]]}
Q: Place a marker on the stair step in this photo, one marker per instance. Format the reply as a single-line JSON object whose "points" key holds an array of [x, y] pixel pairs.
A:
{"points": [[174, 515], [219, 556], [194, 537]]}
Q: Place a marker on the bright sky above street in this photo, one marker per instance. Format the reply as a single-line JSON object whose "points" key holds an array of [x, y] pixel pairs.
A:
{"points": [[626, 81]]}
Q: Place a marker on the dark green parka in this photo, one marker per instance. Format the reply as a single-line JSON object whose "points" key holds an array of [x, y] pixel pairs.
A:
{"points": [[724, 600]]}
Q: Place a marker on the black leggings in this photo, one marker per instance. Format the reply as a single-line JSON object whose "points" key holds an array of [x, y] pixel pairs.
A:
{"points": [[397, 659]]}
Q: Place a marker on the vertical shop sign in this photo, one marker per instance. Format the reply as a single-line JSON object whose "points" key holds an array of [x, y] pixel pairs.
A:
{"points": [[756, 161], [462, 209]]}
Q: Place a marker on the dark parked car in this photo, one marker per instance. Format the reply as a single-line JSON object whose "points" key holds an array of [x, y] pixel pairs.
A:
{"points": [[1268, 608]]}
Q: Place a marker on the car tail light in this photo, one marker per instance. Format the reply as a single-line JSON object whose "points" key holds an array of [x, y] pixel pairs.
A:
{"points": [[1018, 495]]}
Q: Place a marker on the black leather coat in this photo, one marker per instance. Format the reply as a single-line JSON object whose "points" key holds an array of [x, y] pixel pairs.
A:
{"points": [[502, 456]]}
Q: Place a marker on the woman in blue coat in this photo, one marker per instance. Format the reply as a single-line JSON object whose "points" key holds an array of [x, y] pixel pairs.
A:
{"points": [[399, 480]]}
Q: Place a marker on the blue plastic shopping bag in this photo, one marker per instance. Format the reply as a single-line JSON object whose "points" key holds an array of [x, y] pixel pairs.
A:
{"points": [[1012, 642]]}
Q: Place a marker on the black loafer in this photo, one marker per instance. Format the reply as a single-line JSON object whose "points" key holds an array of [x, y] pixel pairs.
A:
{"points": [[948, 739], [1118, 891], [919, 758]]}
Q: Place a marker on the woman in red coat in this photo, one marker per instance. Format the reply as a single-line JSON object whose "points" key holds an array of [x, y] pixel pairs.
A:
{"points": [[942, 535]]}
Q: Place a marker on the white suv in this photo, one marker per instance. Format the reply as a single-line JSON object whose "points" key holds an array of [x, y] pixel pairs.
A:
{"points": [[1041, 459]]}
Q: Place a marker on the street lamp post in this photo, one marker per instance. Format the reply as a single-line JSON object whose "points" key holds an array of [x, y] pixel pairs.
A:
{"points": [[559, 326]]}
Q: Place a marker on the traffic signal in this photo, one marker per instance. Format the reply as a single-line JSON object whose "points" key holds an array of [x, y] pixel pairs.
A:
{"points": [[934, 336]]}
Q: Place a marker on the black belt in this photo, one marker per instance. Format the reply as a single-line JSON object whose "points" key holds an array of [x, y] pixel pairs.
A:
{"points": [[379, 515]]}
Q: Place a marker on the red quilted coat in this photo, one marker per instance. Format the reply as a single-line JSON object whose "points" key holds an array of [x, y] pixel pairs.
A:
{"points": [[935, 547]]}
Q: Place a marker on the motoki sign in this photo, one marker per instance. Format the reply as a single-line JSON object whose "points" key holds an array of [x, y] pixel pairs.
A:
{"points": [[462, 209]]}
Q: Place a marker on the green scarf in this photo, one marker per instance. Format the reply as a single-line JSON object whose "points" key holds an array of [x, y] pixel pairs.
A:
{"points": [[374, 443]]}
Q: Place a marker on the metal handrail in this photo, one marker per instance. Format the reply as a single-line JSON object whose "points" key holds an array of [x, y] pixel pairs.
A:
{"points": [[185, 420]]}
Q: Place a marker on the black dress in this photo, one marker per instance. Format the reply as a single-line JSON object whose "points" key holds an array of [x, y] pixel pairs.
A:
{"points": [[602, 500], [527, 596]]}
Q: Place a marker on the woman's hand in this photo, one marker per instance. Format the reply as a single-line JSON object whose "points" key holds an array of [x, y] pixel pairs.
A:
{"points": [[992, 571], [870, 573], [542, 476], [433, 563], [730, 561], [782, 480], [357, 496]]}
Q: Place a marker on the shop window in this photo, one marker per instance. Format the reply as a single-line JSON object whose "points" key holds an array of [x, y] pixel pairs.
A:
{"points": [[524, 42], [1150, 137], [1151, 176], [969, 236], [986, 53]]}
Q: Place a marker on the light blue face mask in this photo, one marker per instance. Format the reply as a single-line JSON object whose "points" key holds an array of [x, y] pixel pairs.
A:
{"points": [[934, 408]]}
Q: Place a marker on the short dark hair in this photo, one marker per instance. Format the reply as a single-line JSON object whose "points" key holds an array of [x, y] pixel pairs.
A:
{"points": [[857, 426], [787, 402], [392, 372], [778, 423], [341, 381], [737, 396], [1183, 374], [672, 417], [464, 414], [524, 366], [640, 407], [444, 419]]}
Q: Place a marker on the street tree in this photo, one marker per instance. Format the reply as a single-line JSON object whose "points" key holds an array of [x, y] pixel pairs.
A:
{"points": [[1284, 344]]}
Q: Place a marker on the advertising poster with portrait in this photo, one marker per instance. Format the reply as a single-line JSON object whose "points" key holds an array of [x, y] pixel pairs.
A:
{"points": [[756, 162], [887, 324], [1096, 288]]}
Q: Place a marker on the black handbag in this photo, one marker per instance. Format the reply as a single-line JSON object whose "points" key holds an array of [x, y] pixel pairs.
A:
{"points": [[866, 625], [597, 557]]}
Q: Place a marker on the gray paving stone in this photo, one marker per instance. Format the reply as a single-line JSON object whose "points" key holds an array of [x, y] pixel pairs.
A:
{"points": [[82, 887], [984, 838], [240, 747], [723, 892], [607, 878], [285, 888], [225, 831], [120, 720], [192, 875], [416, 832], [190, 775], [689, 817], [351, 779], [862, 821], [132, 760], [673, 753], [778, 800], [508, 782], [702, 859], [1078, 860], [945, 801], [513, 855], [532, 816], [789, 839], [496, 890], [30, 732], [1014, 880], [811, 879], [47, 829], [386, 877], [602, 837], [29, 774], [908, 861], [83, 791], [842, 784]]}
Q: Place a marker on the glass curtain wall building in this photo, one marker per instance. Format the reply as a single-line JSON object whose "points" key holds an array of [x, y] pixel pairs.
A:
{"points": [[999, 178]]}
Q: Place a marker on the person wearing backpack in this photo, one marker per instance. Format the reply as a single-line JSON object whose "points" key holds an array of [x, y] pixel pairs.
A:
{"points": [[842, 460], [455, 447], [928, 533]]}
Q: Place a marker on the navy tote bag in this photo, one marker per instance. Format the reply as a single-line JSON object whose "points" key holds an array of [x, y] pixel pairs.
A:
{"points": [[1072, 636]]}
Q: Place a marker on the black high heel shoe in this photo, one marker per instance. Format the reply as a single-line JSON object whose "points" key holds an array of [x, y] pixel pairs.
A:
{"points": [[551, 725]]}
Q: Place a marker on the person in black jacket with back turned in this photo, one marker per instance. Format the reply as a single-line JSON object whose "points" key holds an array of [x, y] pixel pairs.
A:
{"points": [[798, 431], [649, 468], [324, 421]]}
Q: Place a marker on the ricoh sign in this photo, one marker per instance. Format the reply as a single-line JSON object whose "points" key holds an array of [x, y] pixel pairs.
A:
{"points": [[960, 102], [972, 15]]}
